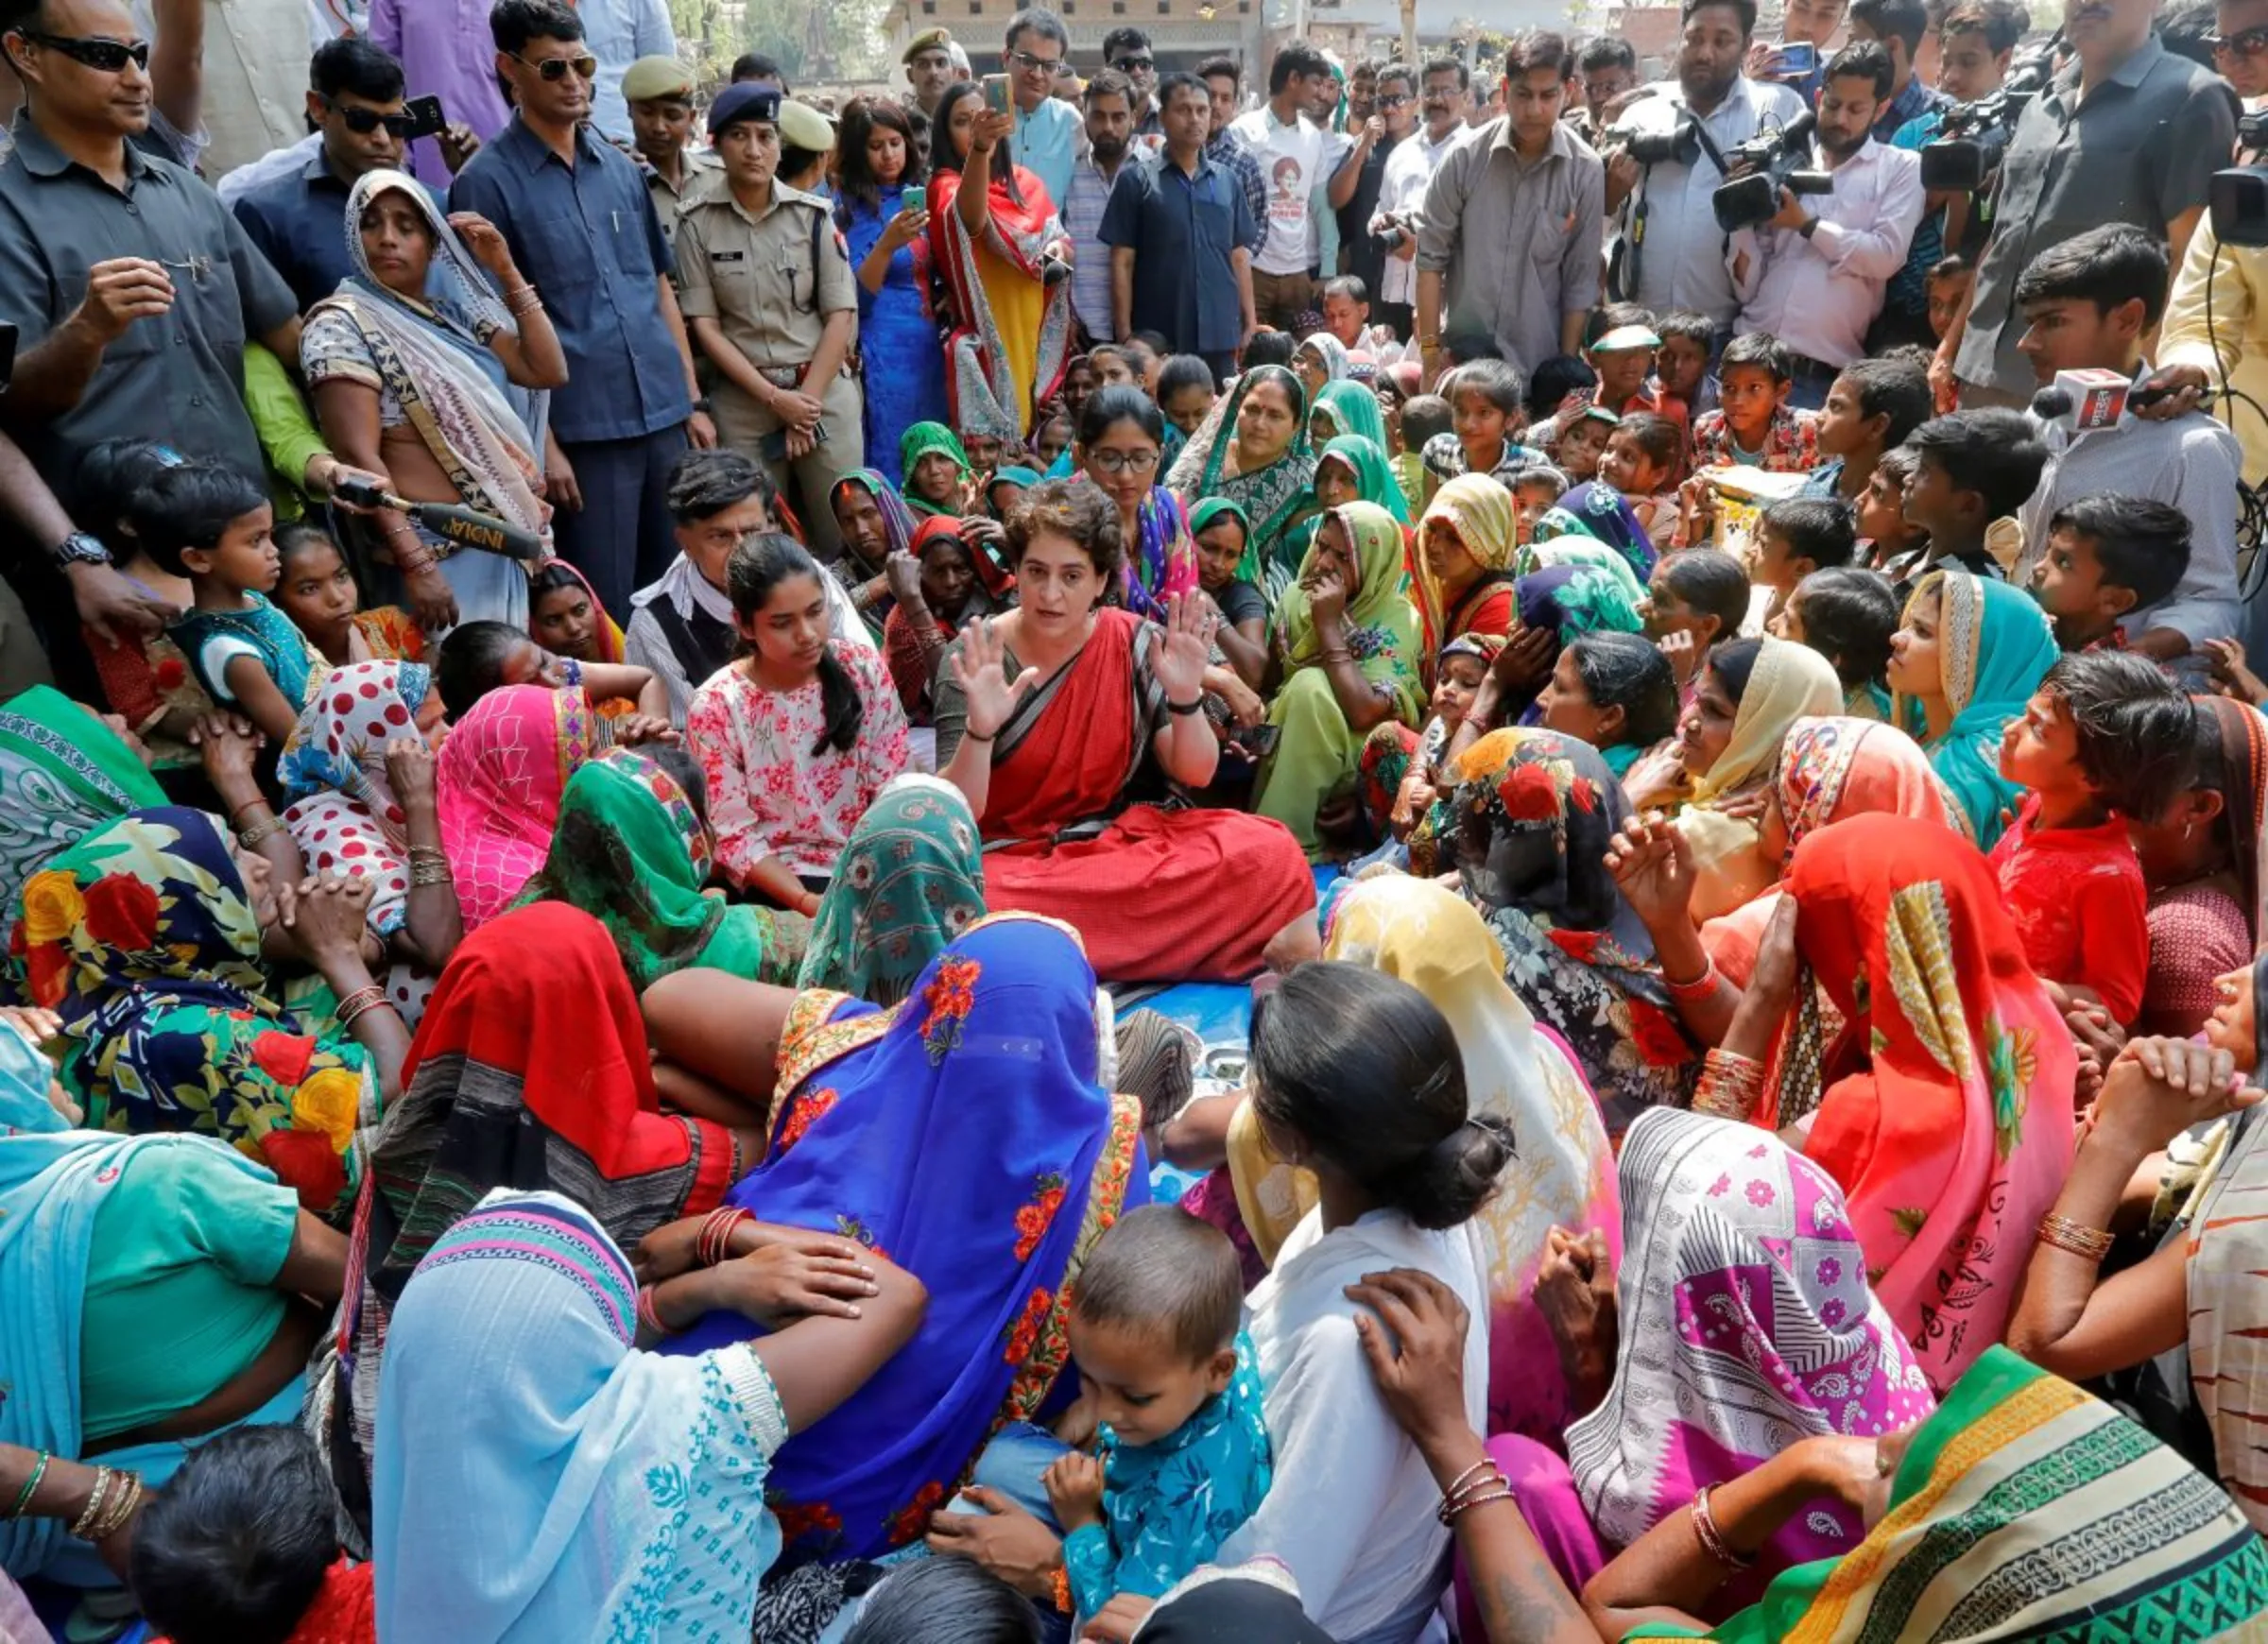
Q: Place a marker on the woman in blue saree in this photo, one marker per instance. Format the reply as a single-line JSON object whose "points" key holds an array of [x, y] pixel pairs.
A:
{"points": [[889, 252], [986, 1078]]}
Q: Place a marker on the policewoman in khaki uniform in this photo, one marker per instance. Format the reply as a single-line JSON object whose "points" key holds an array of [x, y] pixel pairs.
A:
{"points": [[771, 298]]}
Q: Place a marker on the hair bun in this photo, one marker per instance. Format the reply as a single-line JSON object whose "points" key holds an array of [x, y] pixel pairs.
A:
{"points": [[1447, 1186]]}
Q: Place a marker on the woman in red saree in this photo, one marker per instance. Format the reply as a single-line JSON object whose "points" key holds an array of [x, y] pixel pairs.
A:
{"points": [[992, 243], [1045, 714]]}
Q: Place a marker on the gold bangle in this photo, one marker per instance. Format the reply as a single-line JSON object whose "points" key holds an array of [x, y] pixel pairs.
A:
{"points": [[250, 837], [1730, 1085], [92, 1510], [2075, 1238]]}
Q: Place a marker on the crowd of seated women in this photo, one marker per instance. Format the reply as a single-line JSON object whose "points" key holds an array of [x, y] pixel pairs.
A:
{"points": [[597, 1128]]}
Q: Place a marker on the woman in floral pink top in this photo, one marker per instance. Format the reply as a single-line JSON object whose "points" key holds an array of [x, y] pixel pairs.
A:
{"points": [[796, 735]]}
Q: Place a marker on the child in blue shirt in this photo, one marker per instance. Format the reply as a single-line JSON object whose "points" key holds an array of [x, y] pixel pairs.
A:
{"points": [[1155, 1327]]}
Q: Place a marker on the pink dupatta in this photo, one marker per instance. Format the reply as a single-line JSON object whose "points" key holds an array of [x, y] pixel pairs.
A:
{"points": [[501, 774]]}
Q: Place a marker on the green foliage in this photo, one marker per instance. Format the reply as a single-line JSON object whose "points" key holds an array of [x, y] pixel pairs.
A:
{"points": [[833, 40]]}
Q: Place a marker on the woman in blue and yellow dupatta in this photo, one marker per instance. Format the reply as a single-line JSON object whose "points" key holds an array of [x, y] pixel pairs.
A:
{"points": [[1011, 339], [987, 1077]]}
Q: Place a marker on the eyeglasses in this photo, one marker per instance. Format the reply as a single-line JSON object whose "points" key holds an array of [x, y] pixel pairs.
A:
{"points": [[1037, 64], [100, 52], [1134, 65], [554, 68], [1393, 100], [1123, 461], [2249, 43], [362, 121]]}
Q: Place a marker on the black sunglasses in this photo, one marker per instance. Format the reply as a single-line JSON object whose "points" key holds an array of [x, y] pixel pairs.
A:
{"points": [[554, 68], [105, 56], [2246, 43], [362, 121], [1127, 65]]}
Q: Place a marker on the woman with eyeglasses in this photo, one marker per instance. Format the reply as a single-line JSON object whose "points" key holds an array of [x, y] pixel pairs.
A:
{"points": [[1002, 252], [1121, 442]]}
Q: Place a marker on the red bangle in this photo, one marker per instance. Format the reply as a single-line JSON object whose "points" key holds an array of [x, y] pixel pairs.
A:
{"points": [[1060, 1586], [649, 1316], [713, 1244]]}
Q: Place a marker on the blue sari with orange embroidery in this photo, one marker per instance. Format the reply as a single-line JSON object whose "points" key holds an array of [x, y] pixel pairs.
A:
{"points": [[965, 1134]]}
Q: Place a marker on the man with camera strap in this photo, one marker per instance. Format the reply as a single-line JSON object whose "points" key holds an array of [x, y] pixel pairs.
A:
{"points": [[1672, 253], [1813, 273]]}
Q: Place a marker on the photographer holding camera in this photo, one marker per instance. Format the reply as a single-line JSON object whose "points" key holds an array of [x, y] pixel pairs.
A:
{"points": [[1813, 274], [1673, 250], [1509, 242], [2127, 133]]}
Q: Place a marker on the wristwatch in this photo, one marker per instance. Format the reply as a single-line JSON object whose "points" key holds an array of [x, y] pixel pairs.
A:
{"points": [[1807, 227], [80, 549]]}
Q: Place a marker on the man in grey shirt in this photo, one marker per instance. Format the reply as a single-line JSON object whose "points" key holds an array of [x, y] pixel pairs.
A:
{"points": [[2128, 134], [149, 344], [1669, 226], [1510, 227]]}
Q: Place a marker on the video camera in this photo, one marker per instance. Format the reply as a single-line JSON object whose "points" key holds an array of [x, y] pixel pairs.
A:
{"points": [[1679, 145], [2238, 195], [1761, 168], [1973, 136]]}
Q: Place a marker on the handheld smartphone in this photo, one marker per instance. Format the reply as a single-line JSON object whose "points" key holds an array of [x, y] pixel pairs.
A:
{"points": [[427, 119], [996, 93], [1260, 739], [1795, 57], [912, 199], [8, 354], [774, 445]]}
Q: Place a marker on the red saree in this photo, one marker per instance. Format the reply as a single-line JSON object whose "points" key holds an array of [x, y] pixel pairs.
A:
{"points": [[1157, 895], [1011, 340]]}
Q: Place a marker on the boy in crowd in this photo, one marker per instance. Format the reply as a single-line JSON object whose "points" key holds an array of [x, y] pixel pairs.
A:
{"points": [[1886, 540], [1870, 408], [2106, 557], [1948, 283], [1681, 363], [1621, 351], [1754, 426], [2088, 302], [1972, 471], [2105, 739], [1796, 537], [1425, 418]]}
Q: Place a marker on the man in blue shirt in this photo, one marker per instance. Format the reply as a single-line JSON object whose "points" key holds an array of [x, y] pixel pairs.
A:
{"points": [[582, 228], [355, 98], [1185, 221], [1048, 130], [1898, 26]]}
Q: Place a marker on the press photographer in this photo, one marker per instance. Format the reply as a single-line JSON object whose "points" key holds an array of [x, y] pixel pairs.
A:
{"points": [[1812, 272], [1671, 254]]}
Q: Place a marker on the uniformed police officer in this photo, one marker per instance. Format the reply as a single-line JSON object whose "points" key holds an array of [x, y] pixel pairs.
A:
{"points": [[929, 70], [770, 296], [658, 91]]}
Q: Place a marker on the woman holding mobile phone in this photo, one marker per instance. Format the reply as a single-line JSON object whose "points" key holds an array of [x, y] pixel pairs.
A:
{"points": [[882, 211], [993, 240]]}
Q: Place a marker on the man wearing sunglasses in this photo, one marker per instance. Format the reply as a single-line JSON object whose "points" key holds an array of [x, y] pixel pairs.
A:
{"points": [[1394, 105], [1048, 132], [1127, 50], [581, 226], [356, 102], [148, 344]]}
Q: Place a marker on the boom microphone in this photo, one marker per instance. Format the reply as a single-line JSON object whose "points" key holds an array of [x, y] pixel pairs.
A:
{"points": [[451, 521]]}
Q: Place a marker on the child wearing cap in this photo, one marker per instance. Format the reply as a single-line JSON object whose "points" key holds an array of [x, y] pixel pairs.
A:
{"points": [[1622, 352]]}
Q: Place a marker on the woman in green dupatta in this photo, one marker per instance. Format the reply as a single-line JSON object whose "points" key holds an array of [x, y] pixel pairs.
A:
{"points": [[933, 486], [1252, 450], [1352, 409], [909, 880], [1344, 648], [1363, 460], [64, 773], [632, 850]]}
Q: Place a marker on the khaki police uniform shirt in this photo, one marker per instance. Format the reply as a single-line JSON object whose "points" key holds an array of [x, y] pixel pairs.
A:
{"points": [[757, 277], [700, 168]]}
